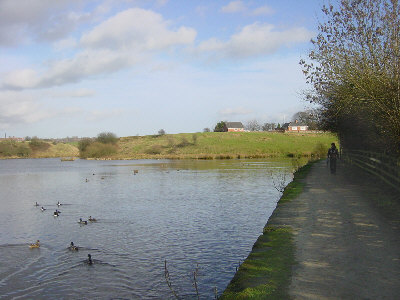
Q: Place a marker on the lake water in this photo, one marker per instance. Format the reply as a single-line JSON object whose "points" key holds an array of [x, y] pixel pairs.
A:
{"points": [[203, 215]]}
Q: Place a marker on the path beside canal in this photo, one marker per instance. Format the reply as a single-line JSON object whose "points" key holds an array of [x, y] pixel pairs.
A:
{"points": [[347, 245]]}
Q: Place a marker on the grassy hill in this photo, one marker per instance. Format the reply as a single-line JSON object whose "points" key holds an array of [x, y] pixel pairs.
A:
{"points": [[209, 145], [213, 145]]}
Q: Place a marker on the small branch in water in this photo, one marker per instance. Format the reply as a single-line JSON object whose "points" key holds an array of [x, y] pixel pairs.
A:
{"points": [[167, 278], [279, 182], [195, 284], [216, 293]]}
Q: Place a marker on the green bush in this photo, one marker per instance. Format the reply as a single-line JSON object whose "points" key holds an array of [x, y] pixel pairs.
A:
{"points": [[37, 144], [23, 150], [83, 144], [107, 138], [184, 142], [97, 150], [155, 149], [12, 148], [320, 149]]}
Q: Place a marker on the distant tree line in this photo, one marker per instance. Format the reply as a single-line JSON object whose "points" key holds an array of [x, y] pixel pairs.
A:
{"points": [[354, 71]]}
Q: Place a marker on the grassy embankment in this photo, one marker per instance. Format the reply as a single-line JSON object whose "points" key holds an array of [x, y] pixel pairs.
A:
{"points": [[266, 272], [214, 145], [36, 149], [211, 145]]}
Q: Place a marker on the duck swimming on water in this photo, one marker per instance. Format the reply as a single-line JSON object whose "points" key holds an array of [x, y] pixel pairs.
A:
{"points": [[72, 247], [92, 219], [89, 261], [35, 245], [42, 208], [56, 213], [82, 222], [36, 204]]}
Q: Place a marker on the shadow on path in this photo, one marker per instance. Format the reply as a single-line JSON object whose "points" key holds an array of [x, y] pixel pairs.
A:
{"points": [[345, 247]]}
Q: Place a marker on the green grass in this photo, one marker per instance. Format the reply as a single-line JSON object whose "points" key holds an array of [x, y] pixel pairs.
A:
{"points": [[212, 145], [208, 145], [296, 187], [13, 149], [266, 272]]}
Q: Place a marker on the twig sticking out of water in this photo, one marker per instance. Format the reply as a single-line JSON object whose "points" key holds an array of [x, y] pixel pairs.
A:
{"points": [[167, 278], [195, 272], [216, 293], [279, 182], [237, 268]]}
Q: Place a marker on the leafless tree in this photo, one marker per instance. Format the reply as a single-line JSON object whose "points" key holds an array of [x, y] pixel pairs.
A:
{"points": [[253, 125]]}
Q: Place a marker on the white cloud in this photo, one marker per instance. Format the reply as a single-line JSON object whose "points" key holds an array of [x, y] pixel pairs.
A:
{"points": [[64, 44], [18, 108], [137, 29], [25, 20], [235, 111], [263, 10], [105, 114], [82, 93], [160, 3], [79, 93], [254, 40], [234, 7], [119, 42], [21, 79], [240, 7]]}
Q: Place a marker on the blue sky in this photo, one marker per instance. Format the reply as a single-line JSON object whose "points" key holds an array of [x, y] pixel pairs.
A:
{"points": [[78, 68]]}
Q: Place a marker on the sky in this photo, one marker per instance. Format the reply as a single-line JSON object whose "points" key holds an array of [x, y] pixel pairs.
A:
{"points": [[133, 67]]}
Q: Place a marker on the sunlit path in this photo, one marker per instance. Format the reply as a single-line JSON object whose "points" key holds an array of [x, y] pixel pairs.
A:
{"points": [[345, 248]]}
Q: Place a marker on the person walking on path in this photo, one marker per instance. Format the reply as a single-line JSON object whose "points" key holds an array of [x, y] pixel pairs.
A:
{"points": [[333, 155]]}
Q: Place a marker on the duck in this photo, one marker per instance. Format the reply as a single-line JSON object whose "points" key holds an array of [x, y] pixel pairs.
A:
{"points": [[72, 247], [92, 219], [36, 204], [58, 203], [82, 222], [56, 213], [89, 261], [42, 208], [35, 245]]}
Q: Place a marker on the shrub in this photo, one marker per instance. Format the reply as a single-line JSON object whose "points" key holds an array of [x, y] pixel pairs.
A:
{"points": [[23, 150], [12, 148], [107, 138], [155, 149], [37, 144], [83, 144], [320, 149], [194, 137], [97, 150], [184, 142]]}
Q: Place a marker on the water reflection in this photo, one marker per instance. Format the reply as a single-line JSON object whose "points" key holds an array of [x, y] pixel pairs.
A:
{"points": [[186, 212]]}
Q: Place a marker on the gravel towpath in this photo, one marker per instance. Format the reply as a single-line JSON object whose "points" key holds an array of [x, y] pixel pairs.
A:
{"points": [[346, 247]]}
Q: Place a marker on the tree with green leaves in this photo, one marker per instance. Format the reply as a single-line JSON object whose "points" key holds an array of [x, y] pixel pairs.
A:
{"points": [[220, 127], [354, 71]]}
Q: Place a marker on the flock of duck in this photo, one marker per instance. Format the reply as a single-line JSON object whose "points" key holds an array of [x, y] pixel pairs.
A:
{"points": [[72, 246]]}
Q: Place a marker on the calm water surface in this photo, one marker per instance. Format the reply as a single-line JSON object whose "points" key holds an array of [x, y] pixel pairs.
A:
{"points": [[190, 213]]}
